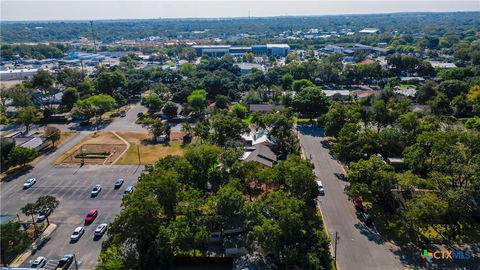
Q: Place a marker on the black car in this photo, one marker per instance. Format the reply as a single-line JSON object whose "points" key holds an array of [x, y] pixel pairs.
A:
{"points": [[366, 218], [140, 114], [64, 262]]}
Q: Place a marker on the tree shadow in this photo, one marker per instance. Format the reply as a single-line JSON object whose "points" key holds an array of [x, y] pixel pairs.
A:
{"points": [[18, 172]]}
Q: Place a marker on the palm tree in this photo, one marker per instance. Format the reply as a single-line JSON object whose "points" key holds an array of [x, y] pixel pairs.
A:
{"points": [[45, 202], [29, 210]]}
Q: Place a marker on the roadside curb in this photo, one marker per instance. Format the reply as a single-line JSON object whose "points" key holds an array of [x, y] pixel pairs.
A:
{"points": [[124, 151], [20, 259]]}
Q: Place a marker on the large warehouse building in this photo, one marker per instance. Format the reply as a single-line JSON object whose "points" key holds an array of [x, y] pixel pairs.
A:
{"points": [[221, 50]]}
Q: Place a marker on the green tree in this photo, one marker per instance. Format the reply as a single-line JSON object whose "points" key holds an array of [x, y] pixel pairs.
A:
{"points": [[46, 202], [13, 241], [95, 106], [170, 109], [198, 100], [21, 155], [240, 111], [107, 82], [287, 81], [353, 144], [43, 79], [31, 209], [227, 127], [311, 102], [204, 160], [298, 85], [28, 116], [440, 105], [153, 102], [70, 97], [52, 134], [221, 101], [155, 126], [281, 134]]}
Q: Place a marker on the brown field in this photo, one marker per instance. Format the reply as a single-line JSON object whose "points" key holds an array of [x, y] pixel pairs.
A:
{"points": [[140, 142]]}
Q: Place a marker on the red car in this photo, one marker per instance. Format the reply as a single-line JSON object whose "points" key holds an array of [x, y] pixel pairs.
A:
{"points": [[91, 216], [358, 202]]}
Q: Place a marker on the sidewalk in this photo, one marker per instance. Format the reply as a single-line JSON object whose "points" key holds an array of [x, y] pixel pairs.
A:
{"points": [[20, 259]]}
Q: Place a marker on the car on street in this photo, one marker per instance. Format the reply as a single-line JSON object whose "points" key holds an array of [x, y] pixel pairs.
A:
{"points": [[358, 202], [91, 216], [128, 190], [43, 214], [123, 113], [321, 190], [77, 233], [366, 218], [140, 114], [100, 230], [64, 262], [30, 182], [118, 183], [96, 189], [39, 262]]}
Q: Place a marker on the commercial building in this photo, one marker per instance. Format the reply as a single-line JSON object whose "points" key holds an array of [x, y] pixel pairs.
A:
{"points": [[221, 50], [17, 74]]}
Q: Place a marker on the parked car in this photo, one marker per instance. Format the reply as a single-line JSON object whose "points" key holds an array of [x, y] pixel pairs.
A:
{"points": [[321, 190], [30, 182], [366, 218], [358, 202], [128, 190], [96, 189], [100, 230], [42, 215], [77, 233], [140, 114], [123, 113], [39, 262], [64, 262], [91, 216], [118, 183]]}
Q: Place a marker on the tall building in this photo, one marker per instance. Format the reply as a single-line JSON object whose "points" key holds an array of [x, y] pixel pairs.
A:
{"points": [[221, 50]]}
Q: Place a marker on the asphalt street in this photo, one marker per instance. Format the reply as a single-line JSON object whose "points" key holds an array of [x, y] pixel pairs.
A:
{"points": [[71, 185], [359, 247]]}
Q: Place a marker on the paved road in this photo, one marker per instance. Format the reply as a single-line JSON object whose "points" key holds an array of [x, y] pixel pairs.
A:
{"points": [[72, 186], [359, 247], [127, 123]]}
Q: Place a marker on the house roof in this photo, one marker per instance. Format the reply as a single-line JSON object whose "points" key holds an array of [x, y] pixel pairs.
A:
{"points": [[262, 154], [265, 107]]}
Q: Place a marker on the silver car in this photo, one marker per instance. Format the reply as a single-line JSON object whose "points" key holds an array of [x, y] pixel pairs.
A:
{"points": [[100, 230], [30, 182], [39, 262], [77, 233], [96, 189]]}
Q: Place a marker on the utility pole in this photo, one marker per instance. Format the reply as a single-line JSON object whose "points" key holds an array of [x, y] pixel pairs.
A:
{"points": [[93, 35], [138, 152], [335, 248], [75, 259]]}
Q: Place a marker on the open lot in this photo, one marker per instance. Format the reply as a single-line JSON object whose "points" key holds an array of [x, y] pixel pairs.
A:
{"points": [[104, 145], [72, 185], [149, 152]]}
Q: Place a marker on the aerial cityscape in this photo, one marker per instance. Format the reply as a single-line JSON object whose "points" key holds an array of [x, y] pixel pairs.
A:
{"points": [[240, 135]]}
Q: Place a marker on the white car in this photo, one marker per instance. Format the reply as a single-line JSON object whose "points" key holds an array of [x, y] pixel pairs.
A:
{"points": [[100, 230], [30, 182], [321, 190], [77, 233], [96, 189], [39, 262]]}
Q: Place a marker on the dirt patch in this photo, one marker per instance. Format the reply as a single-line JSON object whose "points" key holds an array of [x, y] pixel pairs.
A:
{"points": [[100, 148]]}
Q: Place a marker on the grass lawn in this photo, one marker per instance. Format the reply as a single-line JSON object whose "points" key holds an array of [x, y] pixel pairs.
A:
{"points": [[149, 152]]}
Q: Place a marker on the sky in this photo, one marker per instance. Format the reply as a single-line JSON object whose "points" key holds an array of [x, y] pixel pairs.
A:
{"points": [[149, 9]]}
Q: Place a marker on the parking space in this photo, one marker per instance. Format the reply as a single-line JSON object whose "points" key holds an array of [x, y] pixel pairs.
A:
{"points": [[72, 186]]}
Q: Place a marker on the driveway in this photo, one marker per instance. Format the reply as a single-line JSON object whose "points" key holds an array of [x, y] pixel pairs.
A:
{"points": [[127, 123], [359, 247]]}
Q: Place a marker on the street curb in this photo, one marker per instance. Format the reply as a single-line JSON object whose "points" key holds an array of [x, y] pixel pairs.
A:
{"points": [[20, 259]]}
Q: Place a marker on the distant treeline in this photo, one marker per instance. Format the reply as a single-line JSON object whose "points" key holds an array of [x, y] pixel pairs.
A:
{"points": [[436, 24]]}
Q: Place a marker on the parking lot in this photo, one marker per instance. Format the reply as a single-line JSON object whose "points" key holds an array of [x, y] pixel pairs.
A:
{"points": [[72, 186]]}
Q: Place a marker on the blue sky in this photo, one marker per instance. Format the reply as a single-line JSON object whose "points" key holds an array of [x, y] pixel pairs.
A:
{"points": [[148, 9]]}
